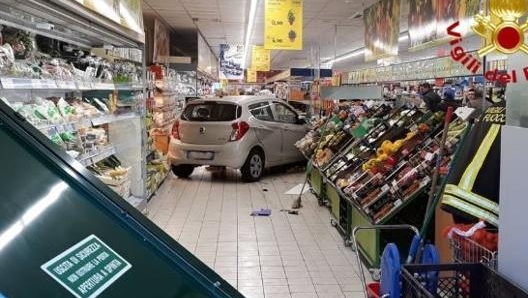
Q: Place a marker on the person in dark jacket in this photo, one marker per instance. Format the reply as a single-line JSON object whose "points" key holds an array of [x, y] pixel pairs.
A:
{"points": [[432, 100]]}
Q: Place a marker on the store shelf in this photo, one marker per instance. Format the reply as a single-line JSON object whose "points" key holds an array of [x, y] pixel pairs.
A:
{"points": [[51, 84], [100, 120], [96, 157], [129, 86], [152, 192]]}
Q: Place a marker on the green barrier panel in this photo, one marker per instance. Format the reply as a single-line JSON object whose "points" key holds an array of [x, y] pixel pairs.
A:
{"points": [[64, 234], [333, 197]]}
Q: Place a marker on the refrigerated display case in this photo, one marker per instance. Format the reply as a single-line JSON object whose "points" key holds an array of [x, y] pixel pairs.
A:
{"points": [[79, 78]]}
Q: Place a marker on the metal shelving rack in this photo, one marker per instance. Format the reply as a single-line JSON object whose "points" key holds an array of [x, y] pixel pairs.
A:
{"points": [[73, 23]]}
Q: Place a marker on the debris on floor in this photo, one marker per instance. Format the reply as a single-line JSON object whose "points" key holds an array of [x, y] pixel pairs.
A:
{"points": [[294, 212], [261, 212], [297, 190]]}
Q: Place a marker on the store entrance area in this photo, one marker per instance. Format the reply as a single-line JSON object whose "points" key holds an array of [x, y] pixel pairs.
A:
{"points": [[277, 256]]}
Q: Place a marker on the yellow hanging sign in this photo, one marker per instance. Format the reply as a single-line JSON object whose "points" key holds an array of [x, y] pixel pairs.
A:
{"points": [[251, 76], [260, 58], [283, 25]]}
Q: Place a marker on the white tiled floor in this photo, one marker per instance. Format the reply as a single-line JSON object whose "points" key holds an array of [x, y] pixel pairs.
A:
{"points": [[281, 256]]}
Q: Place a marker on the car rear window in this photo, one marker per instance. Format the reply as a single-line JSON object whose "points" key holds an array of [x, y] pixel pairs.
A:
{"points": [[211, 111]]}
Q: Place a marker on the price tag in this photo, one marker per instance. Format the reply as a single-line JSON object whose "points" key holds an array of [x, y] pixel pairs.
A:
{"points": [[104, 86], [7, 83], [67, 85], [425, 181], [84, 85], [385, 188], [36, 84], [46, 84], [394, 188], [429, 156], [398, 203], [414, 127]]}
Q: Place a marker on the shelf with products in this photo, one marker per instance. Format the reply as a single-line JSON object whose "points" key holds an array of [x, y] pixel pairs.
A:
{"points": [[87, 104]]}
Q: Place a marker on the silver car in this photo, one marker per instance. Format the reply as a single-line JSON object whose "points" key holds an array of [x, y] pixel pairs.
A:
{"points": [[249, 133]]}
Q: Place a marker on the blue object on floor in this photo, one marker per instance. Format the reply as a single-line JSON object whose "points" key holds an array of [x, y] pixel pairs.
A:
{"points": [[390, 271], [261, 212]]}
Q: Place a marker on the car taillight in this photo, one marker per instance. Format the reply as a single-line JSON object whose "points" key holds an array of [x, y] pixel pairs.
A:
{"points": [[239, 130], [176, 130]]}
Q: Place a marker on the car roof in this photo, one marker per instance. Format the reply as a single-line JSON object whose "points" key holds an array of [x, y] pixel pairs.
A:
{"points": [[242, 99]]}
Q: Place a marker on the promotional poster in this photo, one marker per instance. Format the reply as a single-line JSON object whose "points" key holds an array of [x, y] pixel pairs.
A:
{"points": [[231, 59], [429, 19], [382, 29]]}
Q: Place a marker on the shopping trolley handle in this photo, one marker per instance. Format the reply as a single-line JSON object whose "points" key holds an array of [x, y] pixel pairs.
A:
{"points": [[387, 227]]}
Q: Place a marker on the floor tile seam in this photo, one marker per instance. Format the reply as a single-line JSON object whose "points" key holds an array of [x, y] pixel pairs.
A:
{"points": [[194, 195]]}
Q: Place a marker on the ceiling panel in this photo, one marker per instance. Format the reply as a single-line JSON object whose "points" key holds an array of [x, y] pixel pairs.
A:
{"points": [[224, 21]]}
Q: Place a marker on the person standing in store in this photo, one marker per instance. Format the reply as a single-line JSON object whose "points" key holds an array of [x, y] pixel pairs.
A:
{"points": [[475, 100], [432, 100]]}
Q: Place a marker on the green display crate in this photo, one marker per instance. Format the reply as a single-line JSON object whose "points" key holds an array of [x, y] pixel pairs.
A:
{"points": [[316, 181], [333, 197]]}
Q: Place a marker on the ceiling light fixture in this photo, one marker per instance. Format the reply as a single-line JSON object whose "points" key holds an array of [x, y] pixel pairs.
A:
{"points": [[349, 55], [249, 30], [403, 36]]}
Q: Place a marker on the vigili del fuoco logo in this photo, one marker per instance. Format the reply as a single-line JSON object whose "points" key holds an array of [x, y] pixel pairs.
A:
{"points": [[502, 29]]}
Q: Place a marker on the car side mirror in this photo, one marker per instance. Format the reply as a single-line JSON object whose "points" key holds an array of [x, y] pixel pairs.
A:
{"points": [[301, 120]]}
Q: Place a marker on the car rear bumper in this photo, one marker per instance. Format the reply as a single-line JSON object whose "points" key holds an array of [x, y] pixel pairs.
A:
{"points": [[232, 154]]}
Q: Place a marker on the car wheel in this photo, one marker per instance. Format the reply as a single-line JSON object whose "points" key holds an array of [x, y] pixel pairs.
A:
{"points": [[183, 171], [253, 167]]}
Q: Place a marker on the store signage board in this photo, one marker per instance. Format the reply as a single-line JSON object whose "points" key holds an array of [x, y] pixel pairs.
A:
{"points": [[251, 76], [260, 58], [87, 268], [283, 29], [231, 60], [382, 29]]}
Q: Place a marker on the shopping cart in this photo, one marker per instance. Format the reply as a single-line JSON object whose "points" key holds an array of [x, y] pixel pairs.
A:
{"points": [[465, 250], [389, 285]]}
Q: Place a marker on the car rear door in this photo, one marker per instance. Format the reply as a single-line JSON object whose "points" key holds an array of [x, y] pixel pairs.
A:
{"points": [[208, 122], [292, 131], [268, 131]]}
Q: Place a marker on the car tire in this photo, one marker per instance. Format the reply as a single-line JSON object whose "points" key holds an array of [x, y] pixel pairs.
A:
{"points": [[253, 168], [183, 171]]}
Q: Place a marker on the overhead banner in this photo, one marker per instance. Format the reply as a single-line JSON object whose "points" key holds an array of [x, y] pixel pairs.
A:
{"points": [[382, 29], [131, 15], [251, 76], [161, 43], [429, 19], [283, 25], [260, 58], [231, 59], [107, 8]]}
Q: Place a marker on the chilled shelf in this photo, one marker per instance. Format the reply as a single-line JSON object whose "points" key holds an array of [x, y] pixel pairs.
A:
{"points": [[100, 120], [101, 154], [47, 84]]}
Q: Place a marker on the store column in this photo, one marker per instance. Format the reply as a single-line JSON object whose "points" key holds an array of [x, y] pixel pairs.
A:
{"points": [[513, 244]]}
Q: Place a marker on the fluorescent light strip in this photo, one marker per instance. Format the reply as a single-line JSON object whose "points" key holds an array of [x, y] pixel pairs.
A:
{"points": [[249, 30], [347, 56], [359, 51]]}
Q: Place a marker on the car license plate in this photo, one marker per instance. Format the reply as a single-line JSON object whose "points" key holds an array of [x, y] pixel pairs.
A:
{"points": [[202, 155]]}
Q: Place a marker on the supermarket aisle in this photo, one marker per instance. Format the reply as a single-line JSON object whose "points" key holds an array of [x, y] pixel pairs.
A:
{"points": [[281, 256]]}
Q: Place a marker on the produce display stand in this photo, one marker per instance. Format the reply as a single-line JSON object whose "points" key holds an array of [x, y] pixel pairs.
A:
{"points": [[382, 176]]}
